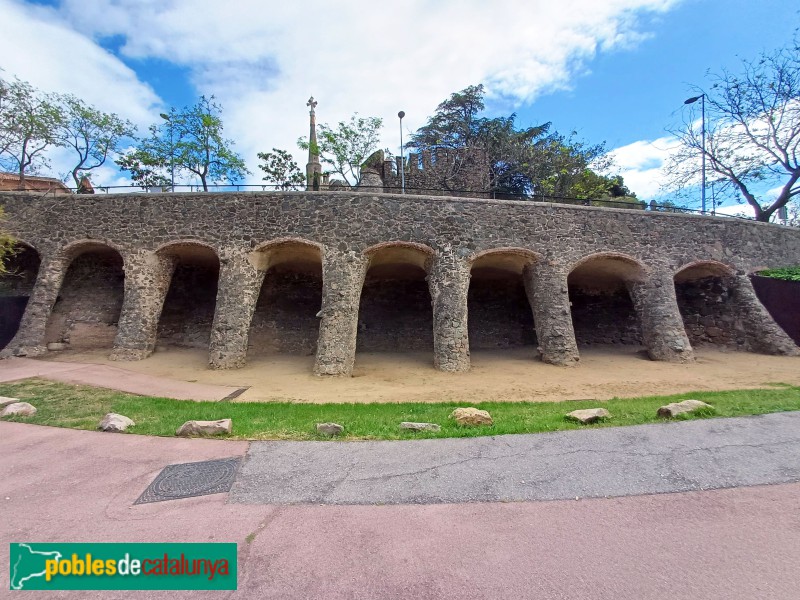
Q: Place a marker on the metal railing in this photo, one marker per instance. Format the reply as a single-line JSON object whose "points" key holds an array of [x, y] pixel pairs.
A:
{"points": [[488, 195]]}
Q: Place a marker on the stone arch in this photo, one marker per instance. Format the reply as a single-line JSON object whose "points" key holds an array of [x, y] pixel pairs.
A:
{"points": [[509, 258], [698, 269], [16, 287], [86, 312], [602, 308], [611, 264], [279, 242], [498, 306], [705, 291], [77, 247], [285, 319], [188, 308], [176, 247], [398, 253], [395, 307]]}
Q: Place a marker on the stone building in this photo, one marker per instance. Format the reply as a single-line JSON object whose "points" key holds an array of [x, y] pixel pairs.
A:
{"points": [[442, 172], [335, 273]]}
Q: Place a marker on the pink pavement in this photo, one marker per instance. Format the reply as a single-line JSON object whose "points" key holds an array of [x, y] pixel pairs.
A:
{"points": [[114, 378], [78, 486]]}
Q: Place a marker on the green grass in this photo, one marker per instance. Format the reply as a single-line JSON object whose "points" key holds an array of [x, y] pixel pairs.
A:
{"points": [[786, 273], [82, 407]]}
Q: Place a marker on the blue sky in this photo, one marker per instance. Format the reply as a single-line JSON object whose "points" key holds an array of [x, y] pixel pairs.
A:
{"points": [[613, 70], [630, 95]]}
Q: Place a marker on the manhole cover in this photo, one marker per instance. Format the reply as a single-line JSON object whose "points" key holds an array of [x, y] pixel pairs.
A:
{"points": [[191, 479]]}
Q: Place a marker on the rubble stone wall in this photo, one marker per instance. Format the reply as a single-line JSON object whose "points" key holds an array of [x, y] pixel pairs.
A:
{"points": [[538, 243]]}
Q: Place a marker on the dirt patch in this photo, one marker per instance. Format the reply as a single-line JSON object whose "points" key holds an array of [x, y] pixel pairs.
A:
{"points": [[499, 375]]}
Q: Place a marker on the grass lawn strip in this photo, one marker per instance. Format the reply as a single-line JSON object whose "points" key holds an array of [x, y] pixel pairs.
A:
{"points": [[82, 407]]}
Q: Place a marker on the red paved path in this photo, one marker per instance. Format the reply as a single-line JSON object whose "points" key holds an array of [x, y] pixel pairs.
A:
{"points": [[64, 485], [114, 378]]}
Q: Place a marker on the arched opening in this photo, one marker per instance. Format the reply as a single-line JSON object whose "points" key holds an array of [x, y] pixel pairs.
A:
{"points": [[499, 311], [188, 311], [16, 287], [705, 294], [602, 309], [285, 318], [395, 312], [88, 306]]}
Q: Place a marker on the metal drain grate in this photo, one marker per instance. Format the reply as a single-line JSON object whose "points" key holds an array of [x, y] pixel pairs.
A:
{"points": [[188, 480]]}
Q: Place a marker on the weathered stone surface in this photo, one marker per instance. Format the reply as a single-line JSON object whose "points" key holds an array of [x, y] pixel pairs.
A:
{"points": [[115, 423], [676, 408], [191, 428], [56, 346], [471, 416], [141, 229], [329, 428], [663, 332], [548, 295], [588, 415], [18, 409], [411, 426], [5, 401]]}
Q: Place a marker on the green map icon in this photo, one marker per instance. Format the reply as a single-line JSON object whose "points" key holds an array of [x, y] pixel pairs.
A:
{"points": [[28, 565]]}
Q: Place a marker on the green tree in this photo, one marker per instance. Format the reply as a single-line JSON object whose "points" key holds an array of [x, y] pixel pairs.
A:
{"points": [[189, 142], [200, 148], [528, 161], [346, 147], [605, 190], [7, 246], [752, 132], [145, 168], [281, 169], [93, 134], [29, 124]]}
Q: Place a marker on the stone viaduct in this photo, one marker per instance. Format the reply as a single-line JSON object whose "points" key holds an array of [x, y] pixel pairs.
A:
{"points": [[329, 272]]}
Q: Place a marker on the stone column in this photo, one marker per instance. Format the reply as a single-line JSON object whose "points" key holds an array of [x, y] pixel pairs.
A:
{"points": [[448, 282], [762, 333], [663, 332], [240, 279], [342, 280], [548, 295], [30, 339], [147, 280]]}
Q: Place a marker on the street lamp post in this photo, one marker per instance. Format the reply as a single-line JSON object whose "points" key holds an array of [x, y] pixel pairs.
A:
{"points": [[702, 98], [167, 118], [401, 114]]}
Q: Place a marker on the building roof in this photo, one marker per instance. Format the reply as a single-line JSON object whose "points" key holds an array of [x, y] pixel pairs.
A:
{"points": [[10, 182]]}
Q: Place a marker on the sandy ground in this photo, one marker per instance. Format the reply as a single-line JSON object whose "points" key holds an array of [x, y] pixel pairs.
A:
{"points": [[503, 375]]}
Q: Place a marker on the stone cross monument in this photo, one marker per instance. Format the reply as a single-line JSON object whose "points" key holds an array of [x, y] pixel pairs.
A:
{"points": [[313, 168]]}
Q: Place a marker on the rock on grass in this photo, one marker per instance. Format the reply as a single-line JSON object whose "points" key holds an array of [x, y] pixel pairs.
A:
{"points": [[18, 409], [190, 428], [471, 416], [588, 415], [678, 408]]}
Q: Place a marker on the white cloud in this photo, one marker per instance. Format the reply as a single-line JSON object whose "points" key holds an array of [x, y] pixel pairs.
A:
{"points": [[37, 46], [641, 164], [263, 59]]}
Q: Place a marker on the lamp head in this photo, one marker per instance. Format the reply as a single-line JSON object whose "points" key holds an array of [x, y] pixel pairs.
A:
{"points": [[401, 114]]}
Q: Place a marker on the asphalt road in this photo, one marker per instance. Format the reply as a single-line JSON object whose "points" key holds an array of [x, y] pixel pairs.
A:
{"points": [[617, 461]]}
